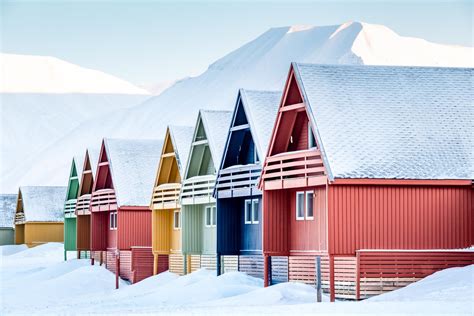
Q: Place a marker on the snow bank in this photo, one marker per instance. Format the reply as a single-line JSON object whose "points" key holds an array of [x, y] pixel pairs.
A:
{"points": [[42, 251], [8, 250]]}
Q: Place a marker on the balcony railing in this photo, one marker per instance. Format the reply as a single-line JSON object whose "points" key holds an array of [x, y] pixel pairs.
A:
{"points": [[166, 196], [293, 169], [238, 181], [82, 205], [19, 218], [198, 190], [70, 207], [103, 200]]}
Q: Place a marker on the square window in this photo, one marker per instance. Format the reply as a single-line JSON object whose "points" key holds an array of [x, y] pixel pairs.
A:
{"points": [[208, 216], [248, 212], [300, 205], [214, 216], [113, 221], [177, 220], [255, 212], [309, 205]]}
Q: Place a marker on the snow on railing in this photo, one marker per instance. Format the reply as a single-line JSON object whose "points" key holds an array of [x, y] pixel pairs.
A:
{"points": [[238, 180], [70, 207], [166, 196], [103, 200], [82, 205], [198, 190], [300, 164]]}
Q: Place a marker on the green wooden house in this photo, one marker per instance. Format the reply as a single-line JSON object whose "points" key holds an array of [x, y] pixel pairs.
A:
{"points": [[70, 222], [7, 219], [198, 206]]}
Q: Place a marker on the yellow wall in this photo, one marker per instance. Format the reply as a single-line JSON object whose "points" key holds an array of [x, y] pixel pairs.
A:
{"points": [[175, 235], [161, 220], [34, 234], [19, 234]]}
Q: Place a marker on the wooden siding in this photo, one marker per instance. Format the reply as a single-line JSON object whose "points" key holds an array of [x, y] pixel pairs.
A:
{"points": [[99, 230], [276, 216], [19, 234], [142, 263], [161, 231], [134, 228], [252, 265], [33, 234], [192, 228], [399, 217], [238, 181], [279, 269], [83, 232], [209, 236], [208, 262], [228, 226], [70, 234], [7, 236], [176, 264], [229, 264]]}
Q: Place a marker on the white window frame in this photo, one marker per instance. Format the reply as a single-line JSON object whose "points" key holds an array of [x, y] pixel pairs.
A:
{"points": [[113, 221], [306, 205], [300, 218], [174, 220], [248, 203], [255, 154], [255, 210], [212, 216], [311, 138]]}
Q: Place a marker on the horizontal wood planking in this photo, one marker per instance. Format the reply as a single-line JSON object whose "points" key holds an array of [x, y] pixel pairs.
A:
{"points": [[252, 265], [279, 269], [230, 263], [142, 263], [209, 262], [176, 264], [195, 262]]}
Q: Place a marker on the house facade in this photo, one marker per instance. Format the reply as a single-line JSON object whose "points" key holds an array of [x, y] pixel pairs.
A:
{"points": [[366, 180], [7, 219]]}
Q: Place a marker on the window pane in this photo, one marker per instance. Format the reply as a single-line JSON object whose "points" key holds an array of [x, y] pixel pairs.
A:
{"points": [[300, 205], [111, 220], [176, 220], [255, 211], [115, 220], [208, 216], [309, 204], [248, 211], [214, 216]]}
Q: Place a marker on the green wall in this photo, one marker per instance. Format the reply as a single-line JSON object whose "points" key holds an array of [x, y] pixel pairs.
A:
{"points": [[7, 236], [196, 237], [70, 234]]}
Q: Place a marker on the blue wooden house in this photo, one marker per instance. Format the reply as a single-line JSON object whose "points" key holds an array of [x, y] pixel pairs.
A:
{"points": [[239, 201]]}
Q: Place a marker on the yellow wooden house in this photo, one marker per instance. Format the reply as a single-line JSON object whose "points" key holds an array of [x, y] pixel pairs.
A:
{"points": [[166, 218], [39, 216]]}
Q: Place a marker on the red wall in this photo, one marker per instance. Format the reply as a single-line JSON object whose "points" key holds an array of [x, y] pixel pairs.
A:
{"points": [[134, 228], [309, 235], [399, 217], [111, 234], [275, 222], [99, 225], [83, 232]]}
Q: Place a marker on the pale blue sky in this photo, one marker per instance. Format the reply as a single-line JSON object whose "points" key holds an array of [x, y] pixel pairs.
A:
{"points": [[154, 41]]}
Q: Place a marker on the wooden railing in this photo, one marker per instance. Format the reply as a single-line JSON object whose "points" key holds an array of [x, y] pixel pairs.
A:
{"points": [[293, 169], [103, 200], [238, 181], [166, 196], [82, 205], [198, 190], [70, 207], [19, 218]]}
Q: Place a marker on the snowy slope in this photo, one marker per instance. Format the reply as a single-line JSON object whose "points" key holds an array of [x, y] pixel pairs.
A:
{"points": [[42, 99], [260, 64]]}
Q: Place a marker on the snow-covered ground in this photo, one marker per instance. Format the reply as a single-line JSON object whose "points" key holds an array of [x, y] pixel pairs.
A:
{"points": [[37, 281]]}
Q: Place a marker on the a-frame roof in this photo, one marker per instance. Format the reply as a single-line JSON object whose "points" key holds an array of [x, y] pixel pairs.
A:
{"points": [[181, 138], [42, 203], [77, 165], [133, 165], [216, 125], [386, 122], [93, 153], [260, 109]]}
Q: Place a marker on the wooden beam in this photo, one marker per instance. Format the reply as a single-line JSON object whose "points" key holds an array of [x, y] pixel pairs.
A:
{"points": [[200, 142], [294, 107], [239, 127], [168, 155]]}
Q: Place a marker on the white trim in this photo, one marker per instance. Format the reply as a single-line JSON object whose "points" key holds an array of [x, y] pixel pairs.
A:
{"points": [[306, 205], [249, 203], [255, 210], [174, 220], [113, 221], [300, 218], [213, 211]]}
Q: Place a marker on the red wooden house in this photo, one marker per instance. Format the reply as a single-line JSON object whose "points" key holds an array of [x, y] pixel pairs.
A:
{"points": [[369, 169], [120, 213]]}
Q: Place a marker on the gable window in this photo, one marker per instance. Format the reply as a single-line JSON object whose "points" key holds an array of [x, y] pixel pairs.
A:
{"points": [[251, 211], [311, 139], [177, 220], [113, 221], [304, 205], [210, 216]]}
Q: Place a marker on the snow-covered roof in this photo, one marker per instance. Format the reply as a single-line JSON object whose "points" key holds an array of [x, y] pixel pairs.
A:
{"points": [[261, 108], [43, 203], [93, 153], [181, 137], [391, 122], [216, 125], [7, 210], [133, 165]]}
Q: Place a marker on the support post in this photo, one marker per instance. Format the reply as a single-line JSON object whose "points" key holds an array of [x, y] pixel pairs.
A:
{"points": [[92, 259], [185, 264], [318, 279], [218, 264], [117, 270], [188, 265], [101, 258], [65, 255], [332, 285], [265, 271], [358, 276], [78, 254], [155, 264]]}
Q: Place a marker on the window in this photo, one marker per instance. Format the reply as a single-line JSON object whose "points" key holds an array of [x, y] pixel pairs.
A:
{"points": [[251, 211], [113, 221], [211, 216], [304, 205], [299, 205], [248, 212], [255, 154], [309, 205], [177, 220], [311, 139]]}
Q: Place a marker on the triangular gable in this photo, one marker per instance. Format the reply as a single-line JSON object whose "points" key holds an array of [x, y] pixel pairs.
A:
{"points": [[103, 178], [73, 182], [168, 169], [87, 176]]}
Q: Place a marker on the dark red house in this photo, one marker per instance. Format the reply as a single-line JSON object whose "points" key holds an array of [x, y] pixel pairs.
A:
{"points": [[369, 169], [120, 213]]}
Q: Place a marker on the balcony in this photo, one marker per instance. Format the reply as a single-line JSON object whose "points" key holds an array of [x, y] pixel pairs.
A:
{"points": [[70, 207], [19, 218], [103, 200], [166, 196], [82, 205], [293, 170], [198, 190], [238, 181]]}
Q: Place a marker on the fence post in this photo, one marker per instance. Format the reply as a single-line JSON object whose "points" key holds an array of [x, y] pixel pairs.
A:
{"points": [[318, 278], [332, 284], [358, 276], [218, 264]]}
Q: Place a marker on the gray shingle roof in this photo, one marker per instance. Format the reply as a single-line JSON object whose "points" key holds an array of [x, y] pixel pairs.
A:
{"points": [[43, 203], [7, 210], [392, 122], [182, 137], [261, 108], [133, 165]]}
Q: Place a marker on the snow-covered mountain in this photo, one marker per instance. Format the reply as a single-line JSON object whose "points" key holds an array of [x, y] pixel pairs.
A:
{"points": [[260, 64], [44, 98]]}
